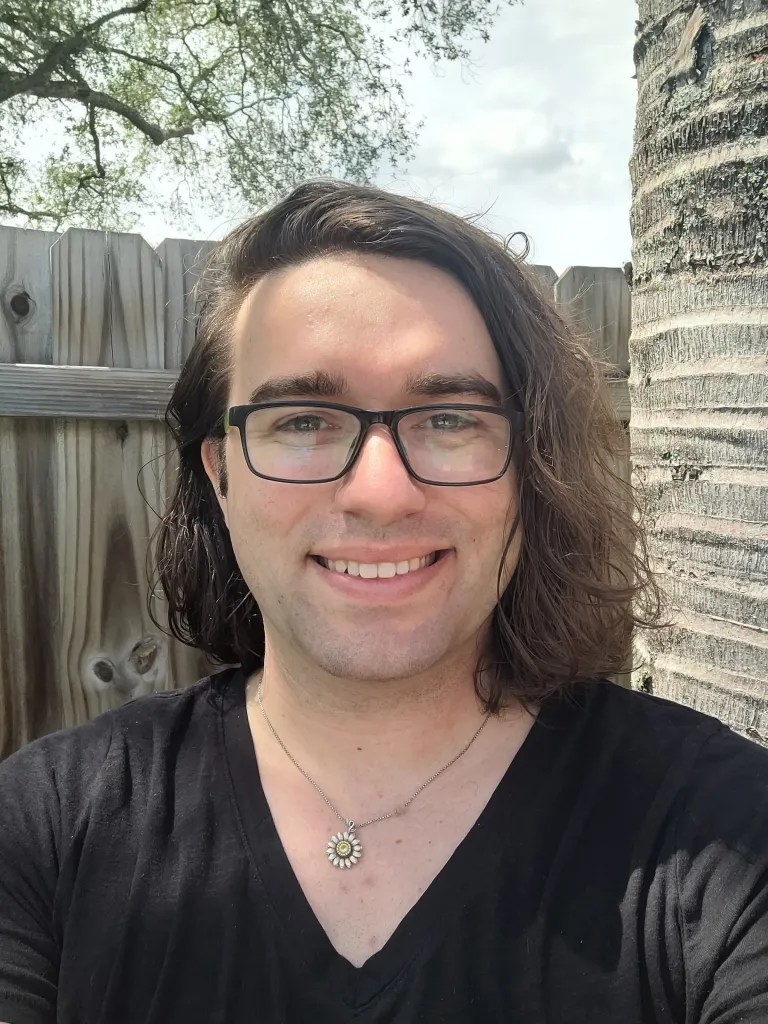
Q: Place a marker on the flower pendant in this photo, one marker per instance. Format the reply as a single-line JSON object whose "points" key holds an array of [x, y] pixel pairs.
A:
{"points": [[344, 849]]}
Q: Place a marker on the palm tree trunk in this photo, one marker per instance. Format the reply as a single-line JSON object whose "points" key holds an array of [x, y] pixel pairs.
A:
{"points": [[699, 381]]}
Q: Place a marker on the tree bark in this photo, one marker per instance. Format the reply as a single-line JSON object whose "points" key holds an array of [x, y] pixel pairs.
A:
{"points": [[699, 380]]}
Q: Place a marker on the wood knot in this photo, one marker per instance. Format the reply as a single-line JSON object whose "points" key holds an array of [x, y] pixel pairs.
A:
{"points": [[104, 670], [21, 305], [144, 655]]}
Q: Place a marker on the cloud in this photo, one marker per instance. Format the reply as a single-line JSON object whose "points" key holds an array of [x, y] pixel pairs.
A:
{"points": [[538, 130], [498, 145]]}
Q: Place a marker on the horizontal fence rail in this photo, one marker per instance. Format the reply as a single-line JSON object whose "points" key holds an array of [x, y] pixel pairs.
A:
{"points": [[104, 393], [84, 392]]}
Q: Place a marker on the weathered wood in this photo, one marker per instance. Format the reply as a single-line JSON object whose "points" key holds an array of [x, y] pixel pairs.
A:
{"points": [[183, 262], [29, 697], [598, 303], [25, 295], [699, 381], [85, 392], [100, 392], [81, 448], [546, 276], [619, 391], [108, 312]]}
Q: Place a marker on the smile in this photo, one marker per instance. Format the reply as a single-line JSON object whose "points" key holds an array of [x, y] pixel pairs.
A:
{"points": [[378, 570]]}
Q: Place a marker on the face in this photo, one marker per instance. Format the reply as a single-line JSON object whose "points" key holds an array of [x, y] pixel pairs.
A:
{"points": [[366, 331]]}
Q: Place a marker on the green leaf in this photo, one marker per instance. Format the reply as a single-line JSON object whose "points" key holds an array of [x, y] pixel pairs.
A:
{"points": [[242, 98]]}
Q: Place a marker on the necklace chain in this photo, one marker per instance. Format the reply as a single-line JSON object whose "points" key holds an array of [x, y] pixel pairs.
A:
{"points": [[382, 817]]}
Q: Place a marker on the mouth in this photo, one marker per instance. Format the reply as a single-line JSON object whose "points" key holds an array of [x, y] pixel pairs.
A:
{"points": [[379, 570]]}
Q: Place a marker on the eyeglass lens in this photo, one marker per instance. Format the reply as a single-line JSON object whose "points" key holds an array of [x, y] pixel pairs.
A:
{"points": [[441, 445]]}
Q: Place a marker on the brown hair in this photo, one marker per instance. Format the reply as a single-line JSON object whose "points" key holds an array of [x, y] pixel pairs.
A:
{"points": [[582, 581]]}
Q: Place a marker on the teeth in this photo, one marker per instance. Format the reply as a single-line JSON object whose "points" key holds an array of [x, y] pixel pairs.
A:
{"points": [[378, 570]]}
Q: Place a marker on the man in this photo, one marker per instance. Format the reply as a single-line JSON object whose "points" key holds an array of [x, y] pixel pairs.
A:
{"points": [[417, 799]]}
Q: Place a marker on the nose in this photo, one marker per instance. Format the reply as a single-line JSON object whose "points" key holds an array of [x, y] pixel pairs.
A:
{"points": [[378, 486]]}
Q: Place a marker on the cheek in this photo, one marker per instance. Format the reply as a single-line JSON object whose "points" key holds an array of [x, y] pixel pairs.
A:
{"points": [[489, 513], [263, 516], [493, 507], [499, 510]]}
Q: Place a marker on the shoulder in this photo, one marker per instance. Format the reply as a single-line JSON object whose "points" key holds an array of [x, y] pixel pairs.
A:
{"points": [[643, 720], [719, 777], [70, 761], [726, 805], [600, 696], [101, 778], [648, 746]]}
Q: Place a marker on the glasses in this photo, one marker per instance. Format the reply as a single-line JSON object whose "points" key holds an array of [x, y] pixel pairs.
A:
{"points": [[317, 442]]}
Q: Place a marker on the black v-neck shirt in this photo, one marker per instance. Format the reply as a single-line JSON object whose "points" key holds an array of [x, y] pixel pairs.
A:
{"points": [[618, 875]]}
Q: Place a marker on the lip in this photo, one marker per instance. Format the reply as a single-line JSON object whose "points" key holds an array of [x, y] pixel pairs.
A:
{"points": [[395, 588]]}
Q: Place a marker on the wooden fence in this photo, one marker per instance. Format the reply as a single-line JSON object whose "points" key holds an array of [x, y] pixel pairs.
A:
{"points": [[94, 327]]}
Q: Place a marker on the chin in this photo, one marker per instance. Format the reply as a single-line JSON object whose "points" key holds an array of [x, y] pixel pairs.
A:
{"points": [[387, 661]]}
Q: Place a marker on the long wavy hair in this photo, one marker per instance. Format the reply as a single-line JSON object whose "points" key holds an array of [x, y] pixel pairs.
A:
{"points": [[582, 582]]}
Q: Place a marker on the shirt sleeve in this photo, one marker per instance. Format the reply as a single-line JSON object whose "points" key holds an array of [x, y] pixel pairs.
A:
{"points": [[29, 830], [43, 791], [722, 867]]}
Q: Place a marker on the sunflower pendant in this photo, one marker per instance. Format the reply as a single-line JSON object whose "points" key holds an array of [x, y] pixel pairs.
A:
{"points": [[344, 849]]}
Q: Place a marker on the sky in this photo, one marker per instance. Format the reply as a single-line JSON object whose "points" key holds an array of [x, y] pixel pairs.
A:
{"points": [[537, 132]]}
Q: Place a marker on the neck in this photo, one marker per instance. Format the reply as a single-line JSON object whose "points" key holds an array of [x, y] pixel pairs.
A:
{"points": [[391, 729]]}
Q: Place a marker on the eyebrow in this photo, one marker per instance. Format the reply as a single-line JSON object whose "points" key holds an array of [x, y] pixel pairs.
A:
{"points": [[442, 385], [321, 385], [301, 385]]}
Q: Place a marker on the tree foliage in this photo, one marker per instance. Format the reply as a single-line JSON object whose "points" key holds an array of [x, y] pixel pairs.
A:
{"points": [[106, 110]]}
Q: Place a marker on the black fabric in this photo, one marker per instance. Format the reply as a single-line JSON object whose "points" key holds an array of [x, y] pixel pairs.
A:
{"points": [[619, 873]]}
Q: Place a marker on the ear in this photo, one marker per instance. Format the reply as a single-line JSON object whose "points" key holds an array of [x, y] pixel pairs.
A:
{"points": [[212, 457]]}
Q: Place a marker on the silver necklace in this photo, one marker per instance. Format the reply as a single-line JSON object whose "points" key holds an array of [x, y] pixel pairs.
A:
{"points": [[344, 849]]}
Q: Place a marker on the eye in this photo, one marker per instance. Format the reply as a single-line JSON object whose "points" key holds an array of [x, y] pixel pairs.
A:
{"points": [[448, 420], [304, 424]]}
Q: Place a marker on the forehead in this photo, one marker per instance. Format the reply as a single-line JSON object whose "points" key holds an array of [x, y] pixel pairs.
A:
{"points": [[374, 320]]}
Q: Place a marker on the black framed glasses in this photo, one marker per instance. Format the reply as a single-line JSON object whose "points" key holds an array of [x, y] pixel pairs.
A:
{"points": [[452, 444]]}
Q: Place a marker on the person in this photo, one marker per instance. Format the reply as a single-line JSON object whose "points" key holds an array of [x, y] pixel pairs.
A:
{"points": [[409, 792]]}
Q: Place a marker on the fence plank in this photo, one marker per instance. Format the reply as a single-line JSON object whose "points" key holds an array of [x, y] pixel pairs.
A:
{"points": [[136, 303], [546, 275], [108, 312], [183, 262], [28, 597], [80, 259], [619, 392], [25, 294], [598, 302]]}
